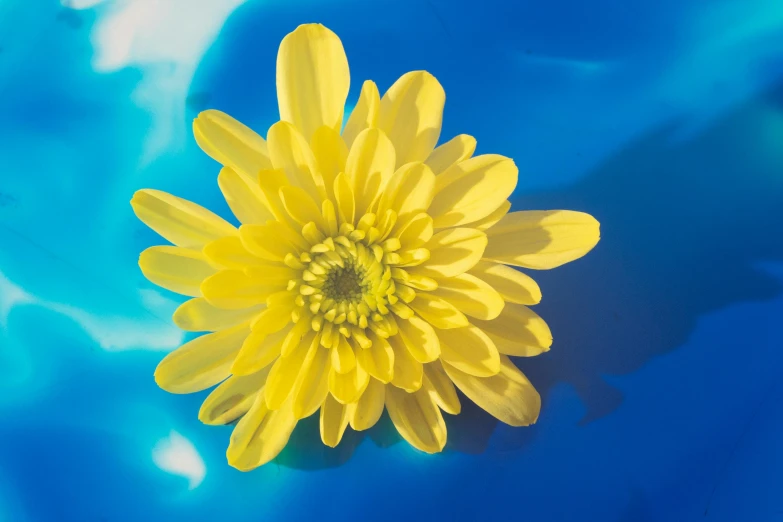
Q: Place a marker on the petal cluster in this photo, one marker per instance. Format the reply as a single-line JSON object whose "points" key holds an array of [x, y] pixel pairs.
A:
{"points": [[372, 270]]}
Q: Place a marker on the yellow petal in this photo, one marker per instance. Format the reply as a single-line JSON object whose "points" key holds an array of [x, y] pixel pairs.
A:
{"points": [[180, 221], [542, 239], [472, 189], [312, 78], [420, 338], [348, 387], [232, 399], [277, 314], [440, 388], [273, 274], [437, 311], [409, 190], [271, 241], [416, 231], [334, 420], [378, 359], [330, 153], [294, 337], [234, 289], [312, 384], [459, 148], [408, 371], [414, 257], [519, 331], [244, 196], [507, 396], [197, 315], [416, 281], [369, 166], [369, 408], [343, 358], [470, 350], [229, 252], [453, 252], [271, 181], [230, 143], [291, 152], [417, 419], [180, 270], [202, 362], [300, 206], [364, 114], [343, 196], [411, 114], [511, 284], [470, 295], [258, 351], [284, 373], [260, 435], [492, 218]]}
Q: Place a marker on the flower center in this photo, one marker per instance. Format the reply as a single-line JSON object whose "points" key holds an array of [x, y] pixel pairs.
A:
{"points": [[344, 283], [346, 287]]}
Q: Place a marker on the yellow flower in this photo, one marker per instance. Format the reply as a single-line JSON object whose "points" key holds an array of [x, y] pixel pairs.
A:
{"points": [[369, 272]]}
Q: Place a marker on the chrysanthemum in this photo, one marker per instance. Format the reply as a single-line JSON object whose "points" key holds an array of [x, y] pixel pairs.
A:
{"points": [[369, 271]]}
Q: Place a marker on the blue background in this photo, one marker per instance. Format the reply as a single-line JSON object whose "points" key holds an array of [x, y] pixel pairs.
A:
{"points": [[662, 392]]}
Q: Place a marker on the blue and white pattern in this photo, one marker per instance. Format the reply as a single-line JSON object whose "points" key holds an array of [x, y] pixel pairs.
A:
{"points": [[662, 390]]}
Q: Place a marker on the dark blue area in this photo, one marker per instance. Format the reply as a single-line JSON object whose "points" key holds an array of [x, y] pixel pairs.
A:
{"points": [[661, 394]]}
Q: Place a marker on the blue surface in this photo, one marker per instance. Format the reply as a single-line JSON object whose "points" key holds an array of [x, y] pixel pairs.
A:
{"points": [[662, 392]]}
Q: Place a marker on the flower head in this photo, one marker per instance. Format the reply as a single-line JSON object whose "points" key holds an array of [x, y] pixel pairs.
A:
{"points": [[369, 271]]}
